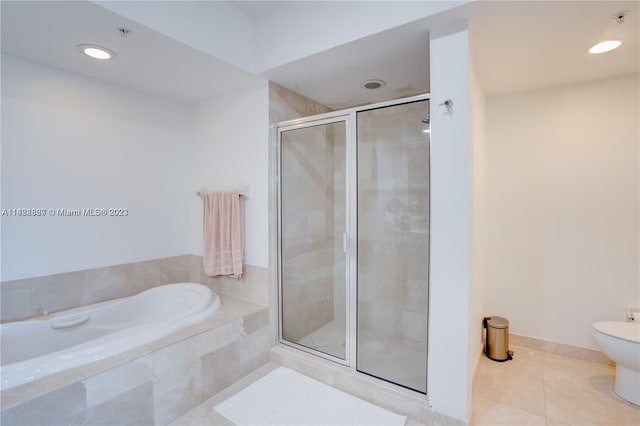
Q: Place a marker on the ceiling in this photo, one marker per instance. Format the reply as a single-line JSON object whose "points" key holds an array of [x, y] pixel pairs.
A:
{"points": [[533, 44], [516, 45], [147, 61], [400, 57], [256, 9]]}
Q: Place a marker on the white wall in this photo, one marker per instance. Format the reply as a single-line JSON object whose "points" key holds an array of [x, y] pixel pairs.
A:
{"points": [[72, 142], [449, 282], [231, 149], [479, 217], [564, 207]]}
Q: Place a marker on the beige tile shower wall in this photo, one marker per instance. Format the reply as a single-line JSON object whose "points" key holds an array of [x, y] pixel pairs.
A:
{"points": [[393, 203], [307, 293], [339, 219], [308, 235], [285, 104], [26, 298]]}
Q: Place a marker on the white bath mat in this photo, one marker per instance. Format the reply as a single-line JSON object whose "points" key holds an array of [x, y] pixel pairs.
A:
{"points": [[284, 397]]}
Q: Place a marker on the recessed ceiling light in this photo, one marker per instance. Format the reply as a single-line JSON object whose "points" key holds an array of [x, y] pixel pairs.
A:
{"points": [[97, 52], [373, 84], [605, 46]]}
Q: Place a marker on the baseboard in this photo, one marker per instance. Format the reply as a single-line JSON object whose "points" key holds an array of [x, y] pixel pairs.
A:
{"points": [[586, 354]]}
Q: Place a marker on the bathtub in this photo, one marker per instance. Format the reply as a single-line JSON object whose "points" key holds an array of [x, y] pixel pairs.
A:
{"points": [[36, 348]]}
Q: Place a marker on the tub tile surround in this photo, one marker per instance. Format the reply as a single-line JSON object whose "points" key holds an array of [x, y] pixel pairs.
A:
{"points": [[543, 388], [133, 407], [65, 406], [26, 298], [205, 414], [252, 286], [141, 276], [121, 394], [153, 384]]}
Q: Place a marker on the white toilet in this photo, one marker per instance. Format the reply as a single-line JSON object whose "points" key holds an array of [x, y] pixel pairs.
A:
{"points": [[620, 341]]}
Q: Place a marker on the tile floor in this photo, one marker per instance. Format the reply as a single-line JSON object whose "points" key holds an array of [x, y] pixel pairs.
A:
{"points": [[540, 388], [535, 388], [205, 414]]}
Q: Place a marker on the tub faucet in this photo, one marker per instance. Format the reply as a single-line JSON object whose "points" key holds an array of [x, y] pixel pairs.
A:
{"points": [[43, 314]]}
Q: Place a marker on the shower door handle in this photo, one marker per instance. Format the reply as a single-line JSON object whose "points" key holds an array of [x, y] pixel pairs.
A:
{"points": [[345, 243]]}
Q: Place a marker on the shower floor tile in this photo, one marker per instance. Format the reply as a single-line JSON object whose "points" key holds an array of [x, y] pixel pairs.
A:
{"points": [[328, 339], [396, 359]]}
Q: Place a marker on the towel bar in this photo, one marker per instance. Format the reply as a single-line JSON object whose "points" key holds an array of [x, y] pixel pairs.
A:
{"points": [[244, 191]]}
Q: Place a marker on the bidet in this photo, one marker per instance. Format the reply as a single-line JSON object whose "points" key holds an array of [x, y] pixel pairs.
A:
{"points": [[620, 341]]}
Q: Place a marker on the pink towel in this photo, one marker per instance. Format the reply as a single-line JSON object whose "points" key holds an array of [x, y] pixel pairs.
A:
{"points": [[223, 233]]}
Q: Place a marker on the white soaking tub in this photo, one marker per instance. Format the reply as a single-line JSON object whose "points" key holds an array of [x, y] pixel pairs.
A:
{"points": [[39, 347]]}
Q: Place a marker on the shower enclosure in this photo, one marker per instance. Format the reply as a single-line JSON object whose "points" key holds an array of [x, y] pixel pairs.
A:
{"points": [[353, 238]]}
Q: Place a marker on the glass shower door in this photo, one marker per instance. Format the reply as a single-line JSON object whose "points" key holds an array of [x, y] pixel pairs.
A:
{"points": [[313, 284], [393, 243]]}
